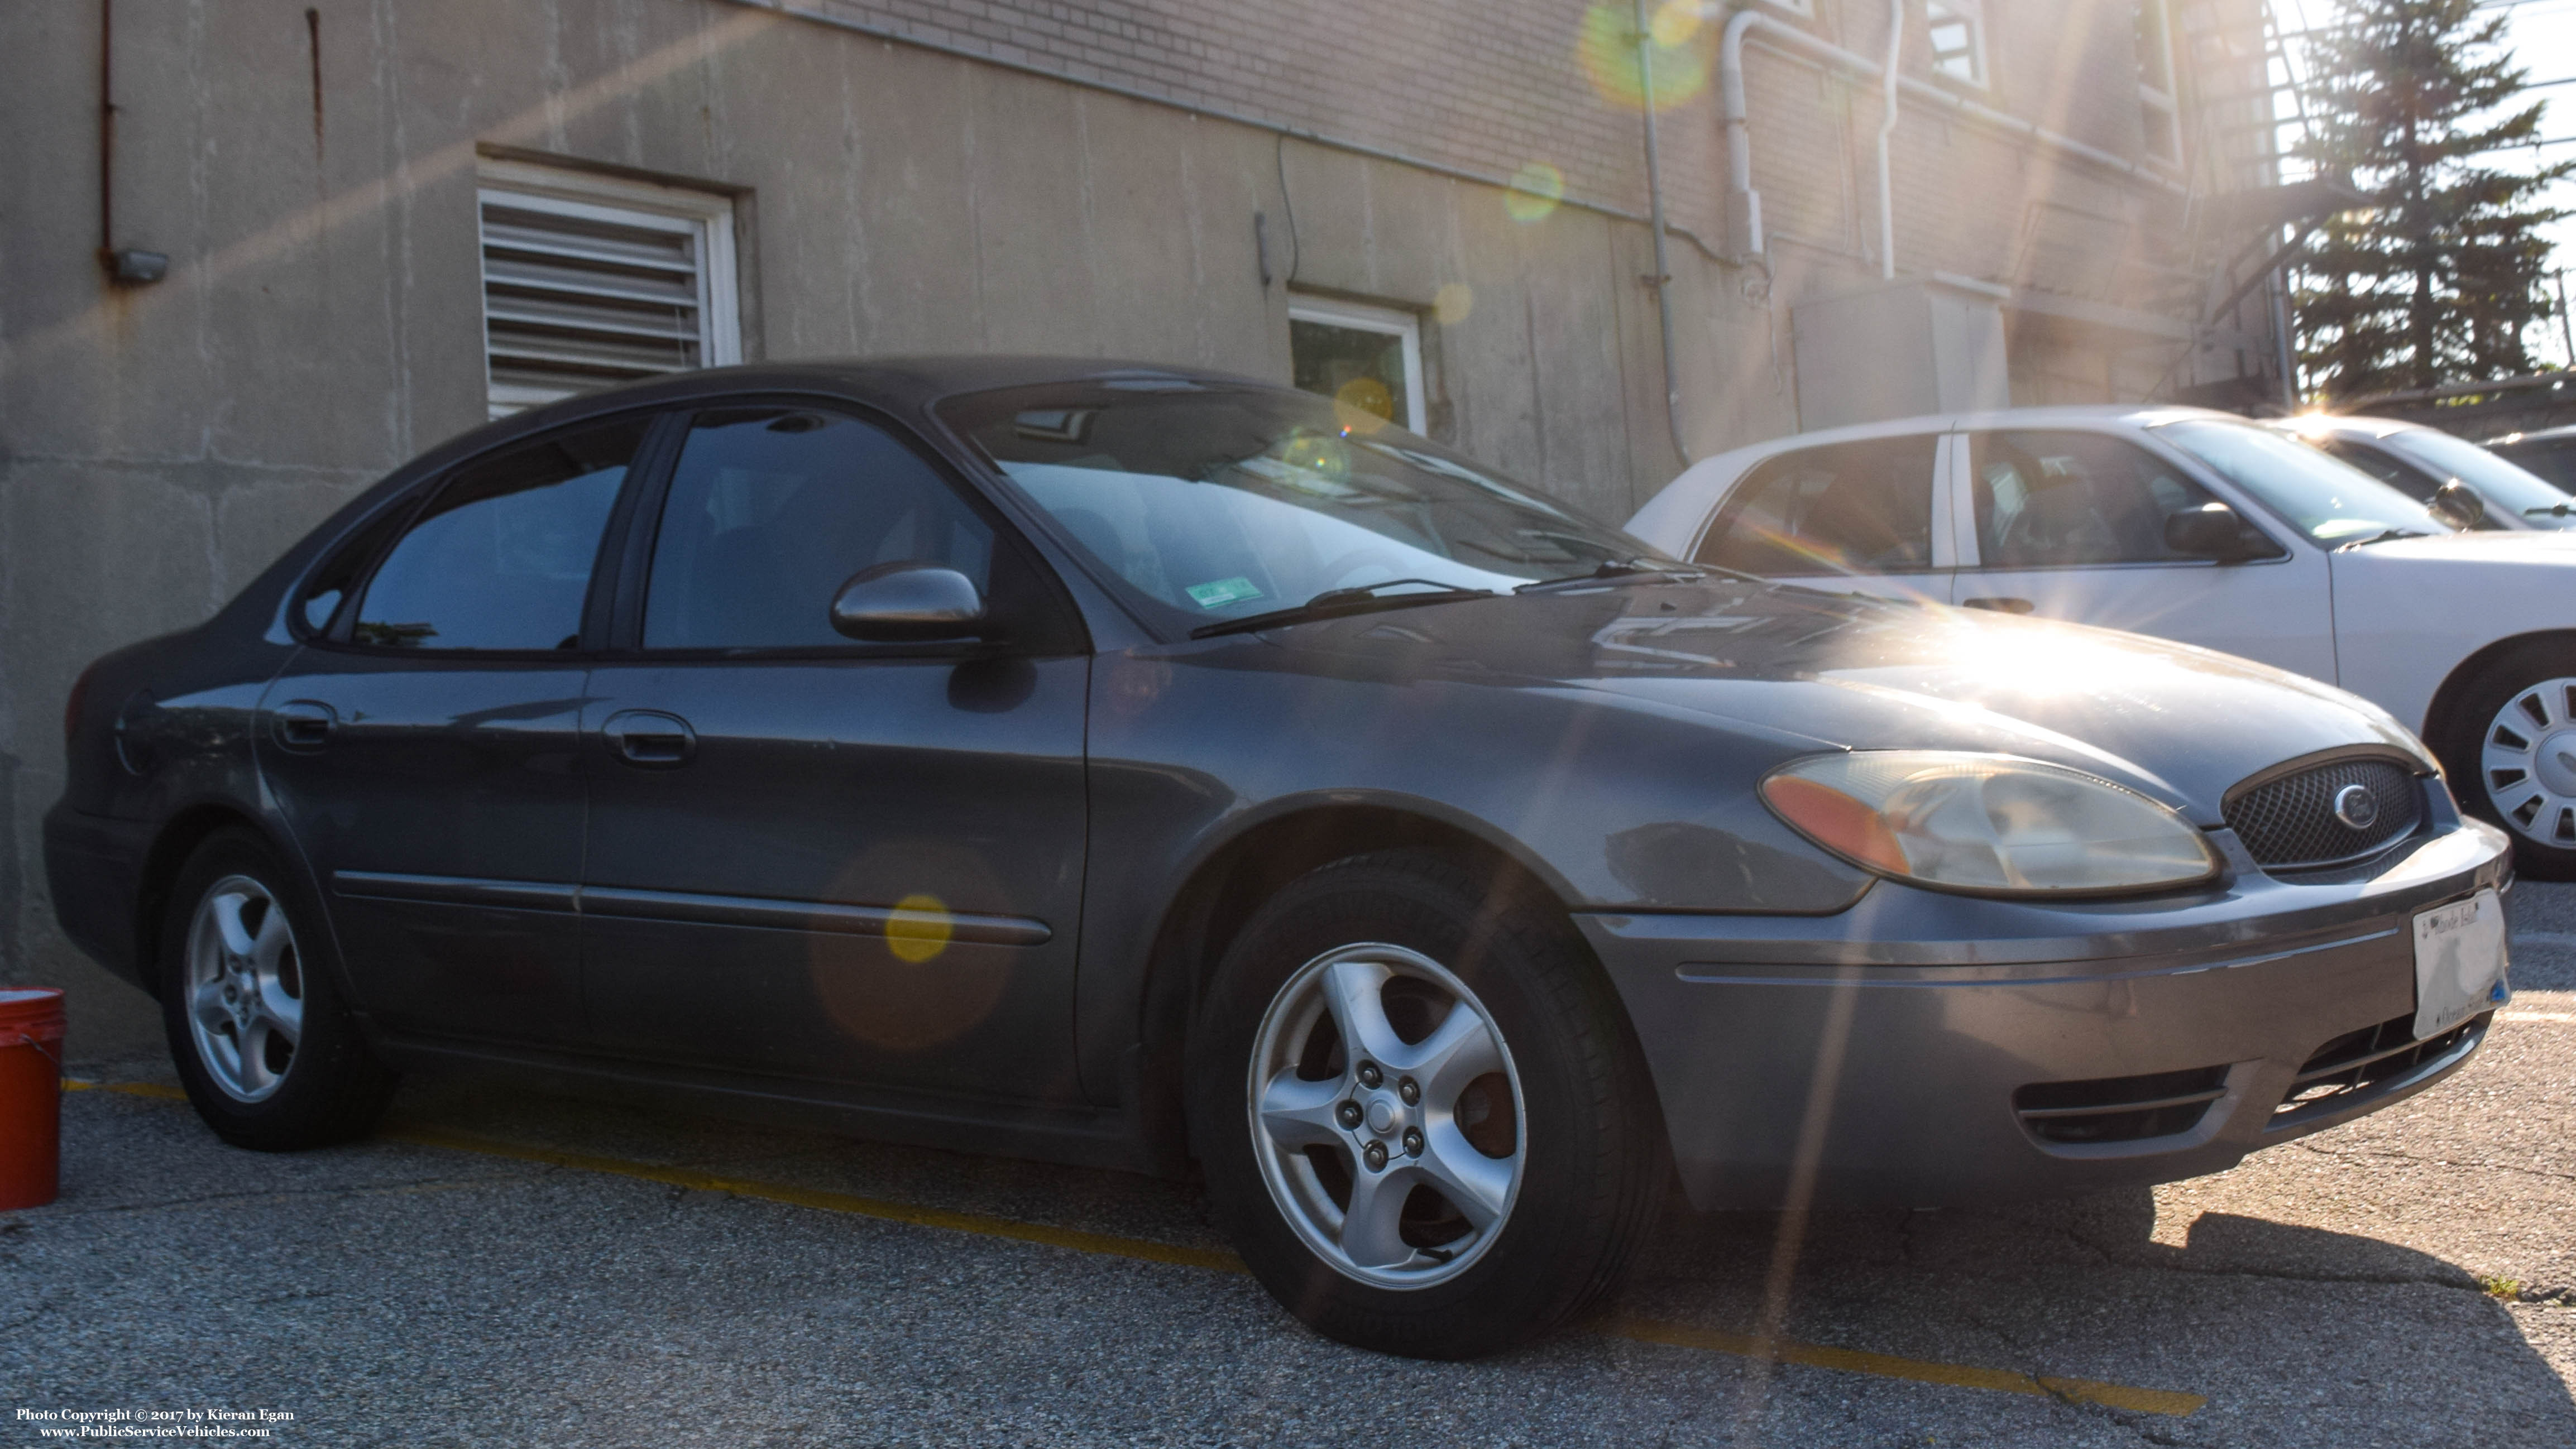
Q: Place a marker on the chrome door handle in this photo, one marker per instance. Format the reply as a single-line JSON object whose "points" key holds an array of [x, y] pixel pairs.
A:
{"points": [[650, 739], [1999, 605]]}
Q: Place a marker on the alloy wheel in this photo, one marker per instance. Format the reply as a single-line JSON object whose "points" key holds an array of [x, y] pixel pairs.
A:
{"points": [[1386, 1115], [245, 988], [2527, 762]]}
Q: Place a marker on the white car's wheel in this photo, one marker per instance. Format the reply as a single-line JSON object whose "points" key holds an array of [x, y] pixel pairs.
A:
{"points": [[2509, 746]]}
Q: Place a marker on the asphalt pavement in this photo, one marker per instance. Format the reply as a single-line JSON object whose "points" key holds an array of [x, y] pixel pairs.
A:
{"points": [[506, 1264]]}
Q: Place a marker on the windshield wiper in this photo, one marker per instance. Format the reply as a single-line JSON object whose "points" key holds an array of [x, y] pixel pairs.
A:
{"points": [[1618, 568], [1335, 603], [2554, 510], [2386, 535]]}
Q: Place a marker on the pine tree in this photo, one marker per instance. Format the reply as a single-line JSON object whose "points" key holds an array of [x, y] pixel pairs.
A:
{"points": [[2439, 278]]}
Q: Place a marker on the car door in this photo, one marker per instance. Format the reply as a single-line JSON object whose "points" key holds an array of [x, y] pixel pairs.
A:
{"points": [[423, 747], [817, 858], [1856, 517], [2070, 524]]}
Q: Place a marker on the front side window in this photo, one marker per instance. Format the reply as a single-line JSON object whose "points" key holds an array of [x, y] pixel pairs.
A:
{"points": [[773, 508], [2332, 503], [1208, 502], [1853, 508], [501, 558], [2057, 500]]}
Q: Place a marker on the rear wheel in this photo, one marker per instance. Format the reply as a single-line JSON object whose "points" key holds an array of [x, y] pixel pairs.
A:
{"points": [[2509, 746], [1422, 1117], [269, 1056]]}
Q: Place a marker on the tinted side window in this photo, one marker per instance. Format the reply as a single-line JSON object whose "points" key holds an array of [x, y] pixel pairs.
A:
{"points": [[772, 509], [501, 558], [1853, 508], [2058, 499]]}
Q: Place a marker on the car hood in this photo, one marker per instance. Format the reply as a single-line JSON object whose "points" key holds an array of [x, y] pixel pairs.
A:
{"points": [[1836, 671]]}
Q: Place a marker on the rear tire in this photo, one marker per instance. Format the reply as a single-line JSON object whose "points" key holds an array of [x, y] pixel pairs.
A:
{"points": [[2508, 743], [270, 1056], [1488, 1179]]}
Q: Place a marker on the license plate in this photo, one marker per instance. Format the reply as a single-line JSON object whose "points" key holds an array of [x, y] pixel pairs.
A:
{"points": [[2459, 962]]}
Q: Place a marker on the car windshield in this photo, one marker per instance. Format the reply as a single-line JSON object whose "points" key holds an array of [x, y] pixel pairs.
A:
{"points": [[2330, 501], [1216, 501], [2505, 487]]}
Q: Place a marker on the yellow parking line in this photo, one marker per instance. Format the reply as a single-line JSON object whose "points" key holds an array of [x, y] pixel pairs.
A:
{"points": [[1962, 1376], [1641, 1330]]}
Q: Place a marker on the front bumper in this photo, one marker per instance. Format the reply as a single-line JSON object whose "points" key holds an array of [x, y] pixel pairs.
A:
{"points": [[1873, 1057]]}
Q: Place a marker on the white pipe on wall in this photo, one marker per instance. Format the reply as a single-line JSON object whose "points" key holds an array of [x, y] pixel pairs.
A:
{"points": [[1890, 71], [1745, 236]]}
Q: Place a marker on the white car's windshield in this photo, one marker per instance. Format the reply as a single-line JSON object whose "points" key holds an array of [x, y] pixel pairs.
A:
{"points": [[2331, 502], [2505, 487]]}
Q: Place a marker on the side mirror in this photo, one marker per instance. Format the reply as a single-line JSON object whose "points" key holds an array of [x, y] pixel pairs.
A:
{"points": [[2213, 531], [908, 602], [2458, 504]]}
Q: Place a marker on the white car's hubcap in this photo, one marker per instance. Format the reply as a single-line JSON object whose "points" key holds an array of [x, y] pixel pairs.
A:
{"points": [[2528, 762]]}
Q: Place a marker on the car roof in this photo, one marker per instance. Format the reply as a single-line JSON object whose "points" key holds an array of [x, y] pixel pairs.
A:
{"points": [[2347, 425], [903, 383]]}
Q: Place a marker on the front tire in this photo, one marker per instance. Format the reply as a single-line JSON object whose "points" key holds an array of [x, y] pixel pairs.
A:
{"points": [[270, 1057], [1423, 1119], [2508, 744]]}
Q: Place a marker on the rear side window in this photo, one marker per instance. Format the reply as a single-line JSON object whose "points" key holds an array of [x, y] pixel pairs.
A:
{"points": [[772, 509], [1852, 508], [2047, 500], [501, 557]]}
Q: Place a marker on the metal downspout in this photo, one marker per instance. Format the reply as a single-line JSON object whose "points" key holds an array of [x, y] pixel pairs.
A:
{"points": [[1663, 280], [1888, 72]]}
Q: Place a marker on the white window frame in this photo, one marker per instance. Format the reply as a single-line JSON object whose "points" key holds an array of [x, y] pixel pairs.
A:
{"points": [[1972, 14], [1388, 321], [705, 216]]}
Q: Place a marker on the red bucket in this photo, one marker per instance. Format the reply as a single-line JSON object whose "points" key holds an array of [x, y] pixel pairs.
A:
{"points": [[31, 1095]]}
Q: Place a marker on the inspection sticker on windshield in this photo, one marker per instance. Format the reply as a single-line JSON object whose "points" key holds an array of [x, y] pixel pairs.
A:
{"points": [[1223, 592], [2459, 962]]}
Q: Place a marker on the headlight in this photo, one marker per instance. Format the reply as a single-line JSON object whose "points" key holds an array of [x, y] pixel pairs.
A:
{"points": [[1989, 824]]}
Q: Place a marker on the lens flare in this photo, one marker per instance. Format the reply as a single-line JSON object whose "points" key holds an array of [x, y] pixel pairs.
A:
{"points": [[1678, 50], [1451, 304], [1364, 405], [1535, 191], [920, 928], [1675, 22]]}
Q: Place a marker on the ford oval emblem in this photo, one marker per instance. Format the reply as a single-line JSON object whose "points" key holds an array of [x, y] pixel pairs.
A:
{"points": [[2356, 807]]}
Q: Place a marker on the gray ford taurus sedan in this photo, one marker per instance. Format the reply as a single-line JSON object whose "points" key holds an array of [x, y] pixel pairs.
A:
{"points": [[1141, 767]]}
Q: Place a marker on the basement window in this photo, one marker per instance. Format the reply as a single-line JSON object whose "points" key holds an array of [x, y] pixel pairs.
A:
{"points": [[1958, 32], [1363, 357], [592, 280]]}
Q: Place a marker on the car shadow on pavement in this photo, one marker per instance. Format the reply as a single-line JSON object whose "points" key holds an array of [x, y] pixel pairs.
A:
{"points": [[2241, 1309]]}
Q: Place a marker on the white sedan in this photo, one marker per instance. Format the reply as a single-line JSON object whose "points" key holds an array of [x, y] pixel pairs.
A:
{"points": [[2195, 526]]}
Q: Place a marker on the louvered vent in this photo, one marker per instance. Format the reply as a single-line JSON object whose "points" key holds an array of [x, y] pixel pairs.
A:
{"points": [[580, 294]]}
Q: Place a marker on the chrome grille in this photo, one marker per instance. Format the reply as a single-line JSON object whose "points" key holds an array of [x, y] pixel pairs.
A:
{"points": [[2290, 823]]}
